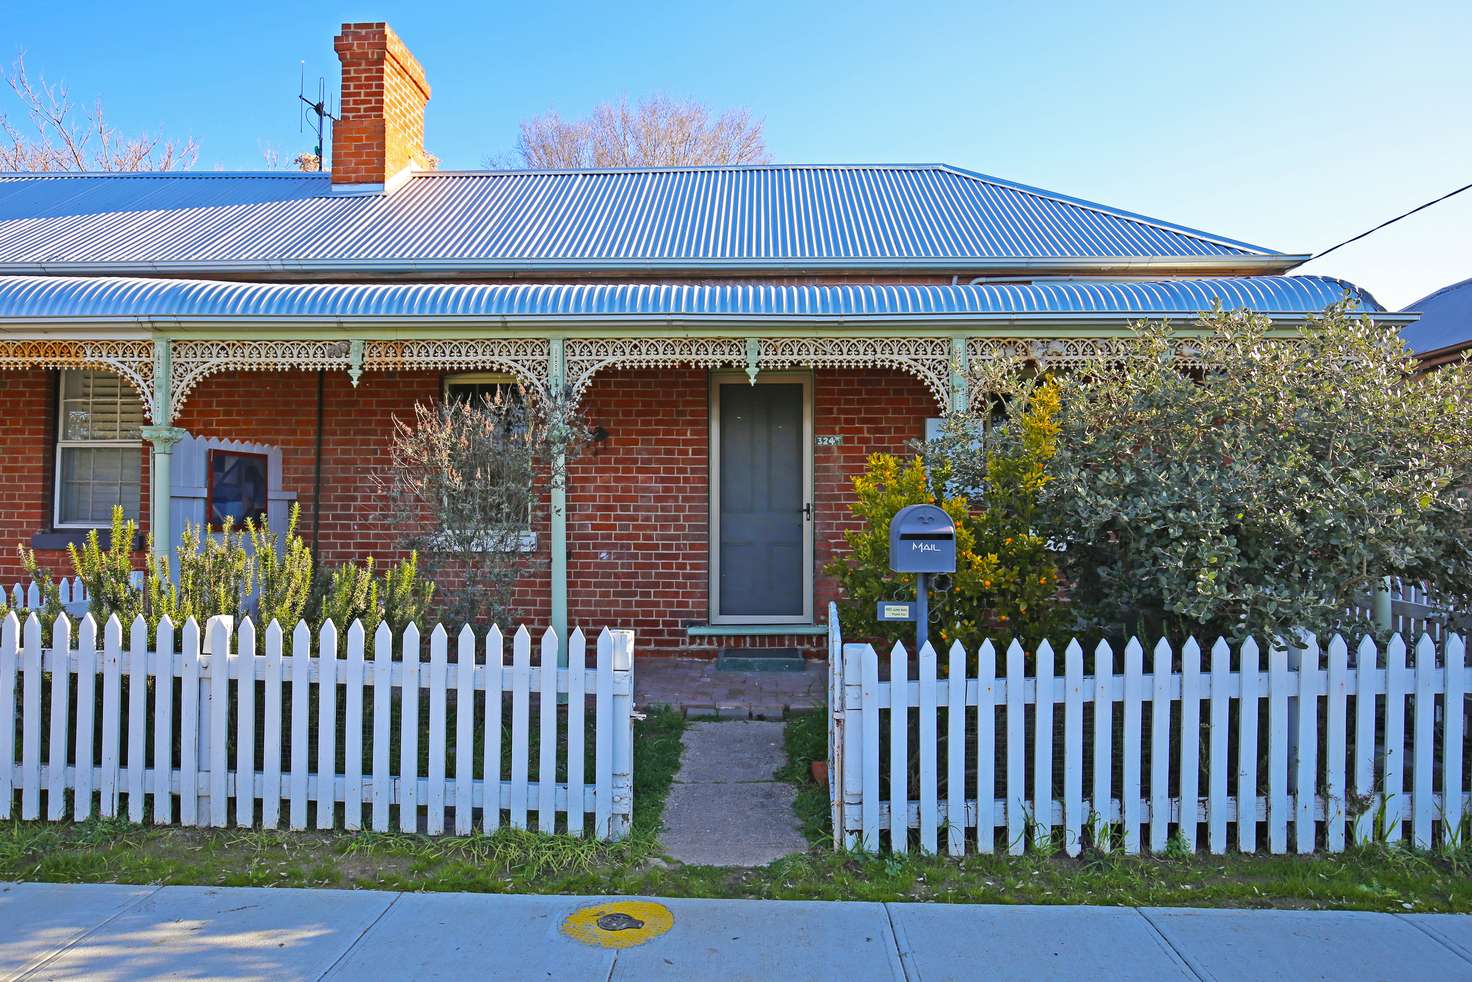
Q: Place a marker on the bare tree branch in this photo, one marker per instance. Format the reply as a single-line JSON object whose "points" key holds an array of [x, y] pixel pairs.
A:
{"points": [[657, 132], [65, 139]]}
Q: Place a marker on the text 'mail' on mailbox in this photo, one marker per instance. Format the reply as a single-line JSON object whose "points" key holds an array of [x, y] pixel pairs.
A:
{"points": [[922, 539]]}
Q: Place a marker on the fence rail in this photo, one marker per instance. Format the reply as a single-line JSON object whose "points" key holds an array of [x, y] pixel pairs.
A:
{"points": [[1222, 746], [198, 729]]}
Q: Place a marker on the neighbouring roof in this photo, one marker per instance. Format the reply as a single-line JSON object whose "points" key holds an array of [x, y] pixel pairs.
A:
{"points": [[1445, 322], [780, 217], [106, 298]]}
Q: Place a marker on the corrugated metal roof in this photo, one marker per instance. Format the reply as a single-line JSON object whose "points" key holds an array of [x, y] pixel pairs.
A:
{"points": [[1446, 319], [79, 299], [780, 215]]}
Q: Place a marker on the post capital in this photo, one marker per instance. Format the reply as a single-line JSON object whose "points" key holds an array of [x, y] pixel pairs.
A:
{"points": [[163, 438]]}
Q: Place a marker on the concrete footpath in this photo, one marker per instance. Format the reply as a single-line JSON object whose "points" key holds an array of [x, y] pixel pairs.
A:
{"points": [[726, 807], [123, 932]]}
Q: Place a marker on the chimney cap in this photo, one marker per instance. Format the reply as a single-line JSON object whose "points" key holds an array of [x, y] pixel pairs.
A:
{"points": [[365, 41]]}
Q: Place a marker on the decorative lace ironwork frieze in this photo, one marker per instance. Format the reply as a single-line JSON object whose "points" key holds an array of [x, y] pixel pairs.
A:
{"points": [[130, 360]]}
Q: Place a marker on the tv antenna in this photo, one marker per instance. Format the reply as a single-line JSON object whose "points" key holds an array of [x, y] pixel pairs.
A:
{"points": [[314, 114]]}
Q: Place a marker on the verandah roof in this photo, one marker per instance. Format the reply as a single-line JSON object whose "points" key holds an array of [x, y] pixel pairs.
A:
{"points": [[29, 299]]}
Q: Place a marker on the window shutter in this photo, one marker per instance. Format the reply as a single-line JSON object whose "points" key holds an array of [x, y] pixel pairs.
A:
{"points": [[190, 481]]}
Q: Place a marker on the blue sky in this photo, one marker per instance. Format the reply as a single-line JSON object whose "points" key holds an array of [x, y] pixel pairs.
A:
{"points": [[1290, 125]]}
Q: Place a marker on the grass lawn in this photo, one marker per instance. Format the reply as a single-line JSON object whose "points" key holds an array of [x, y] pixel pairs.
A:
{"points": [[1375, 878]]}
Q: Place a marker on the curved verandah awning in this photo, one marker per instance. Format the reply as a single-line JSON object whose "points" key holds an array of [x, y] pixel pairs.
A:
{"points": [[166, 335], [158, 301]]}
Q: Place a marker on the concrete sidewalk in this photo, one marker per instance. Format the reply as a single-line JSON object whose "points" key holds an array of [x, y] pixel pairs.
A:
{"points": [[122, 932]]}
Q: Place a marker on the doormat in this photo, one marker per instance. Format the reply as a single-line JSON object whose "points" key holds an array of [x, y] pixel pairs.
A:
{"points": [[760, 660]]}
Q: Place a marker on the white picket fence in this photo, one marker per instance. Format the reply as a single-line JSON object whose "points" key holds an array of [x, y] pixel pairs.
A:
{"points": [[142, 730], [1414, 610], [1314, 741], [28, 596]]}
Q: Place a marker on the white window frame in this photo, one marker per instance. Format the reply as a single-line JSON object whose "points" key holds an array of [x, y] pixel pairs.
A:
{"points": [[477, 378], [528, 539], [63, 444]]}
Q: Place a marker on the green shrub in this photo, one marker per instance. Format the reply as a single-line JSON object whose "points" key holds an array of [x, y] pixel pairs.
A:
{"points": [[215, 576], [406, 594], [46, 586], [219, 575], [353, 592], [283, 580], [1269, 490], [108, 573], [1006, 580]]}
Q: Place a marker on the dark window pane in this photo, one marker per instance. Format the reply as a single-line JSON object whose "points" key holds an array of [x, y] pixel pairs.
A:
{"points": [[238, 486]]}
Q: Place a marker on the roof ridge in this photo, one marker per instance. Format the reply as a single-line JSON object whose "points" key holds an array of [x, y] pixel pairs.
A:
{"points": [[60, 174], [676, 169]]}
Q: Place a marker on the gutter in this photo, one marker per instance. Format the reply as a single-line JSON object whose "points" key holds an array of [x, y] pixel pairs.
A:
{"points": [[460, 268]]}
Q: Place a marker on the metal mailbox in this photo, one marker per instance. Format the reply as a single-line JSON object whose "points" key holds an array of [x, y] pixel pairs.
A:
{"points": [[922, 539]]}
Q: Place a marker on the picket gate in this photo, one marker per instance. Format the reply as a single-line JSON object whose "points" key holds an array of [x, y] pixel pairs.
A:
{"points": [[1227, 747], [317, 723]]}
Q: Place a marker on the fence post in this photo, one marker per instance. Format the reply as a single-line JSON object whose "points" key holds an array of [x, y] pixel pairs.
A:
{"points": [[1295, 668], [623, 733], [835, 724], [217, 631], [853, 778]]}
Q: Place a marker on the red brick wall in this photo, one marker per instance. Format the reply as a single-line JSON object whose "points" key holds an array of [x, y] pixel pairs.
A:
{"points": [[638, 514], [638, 507], [26, 452], [875, 411]]}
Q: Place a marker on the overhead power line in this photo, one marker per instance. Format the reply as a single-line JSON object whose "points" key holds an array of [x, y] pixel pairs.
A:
{"points": [[1449, 194]]}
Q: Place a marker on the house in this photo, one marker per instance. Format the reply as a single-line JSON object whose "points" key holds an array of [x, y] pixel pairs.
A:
{"points": [[1443, 332], [744, 336]]}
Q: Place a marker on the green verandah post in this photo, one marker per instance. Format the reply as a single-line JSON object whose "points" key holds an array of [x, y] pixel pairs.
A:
{"points": [[162, 435], [1384, 609], [556, 389], [960, 387]]}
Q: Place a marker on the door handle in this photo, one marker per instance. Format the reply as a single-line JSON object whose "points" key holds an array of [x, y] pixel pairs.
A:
{"points": [[807, 511]]}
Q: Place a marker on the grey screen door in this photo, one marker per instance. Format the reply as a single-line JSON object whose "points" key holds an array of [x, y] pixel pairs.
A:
{"points": [[761, 556]]}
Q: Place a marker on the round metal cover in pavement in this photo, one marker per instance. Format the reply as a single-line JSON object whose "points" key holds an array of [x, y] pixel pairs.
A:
{"points": [[618, 923]]}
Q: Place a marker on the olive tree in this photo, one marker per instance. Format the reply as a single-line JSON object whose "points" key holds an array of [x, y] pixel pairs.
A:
{"points": [[463, 484], [1267, 488]]}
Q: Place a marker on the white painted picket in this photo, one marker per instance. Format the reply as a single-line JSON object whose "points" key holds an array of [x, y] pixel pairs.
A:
{"points": [[1347, 748], [162, 718], [27, 596]]}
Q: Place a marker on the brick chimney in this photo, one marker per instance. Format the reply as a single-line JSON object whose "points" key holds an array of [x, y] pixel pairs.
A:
{"points": [[380, 131]]}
